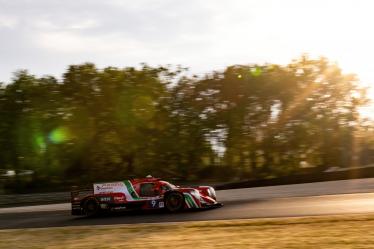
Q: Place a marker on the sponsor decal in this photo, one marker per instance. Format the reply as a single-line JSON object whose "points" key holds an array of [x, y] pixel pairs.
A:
{"points": [[105, 199], [104, 205], [119, 199], [119, 208], [124, 187], [103, 188], [161, 204], [108, 187], [156, 203]]}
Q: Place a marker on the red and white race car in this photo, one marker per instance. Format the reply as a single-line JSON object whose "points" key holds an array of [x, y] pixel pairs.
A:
{"points": [[141, 194]]}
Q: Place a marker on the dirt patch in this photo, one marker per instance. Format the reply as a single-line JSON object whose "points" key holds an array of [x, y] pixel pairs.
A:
{"points": [[354, 231]]}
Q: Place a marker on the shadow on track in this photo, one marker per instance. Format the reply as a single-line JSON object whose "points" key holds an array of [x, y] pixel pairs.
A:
{"points": [[64, 218]]}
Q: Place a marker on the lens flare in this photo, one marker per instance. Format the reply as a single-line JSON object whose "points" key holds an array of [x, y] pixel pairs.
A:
{"points": [[255, 72], [40, 143], [59, 135]]}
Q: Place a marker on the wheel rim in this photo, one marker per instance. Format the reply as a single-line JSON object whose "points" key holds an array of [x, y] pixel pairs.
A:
{"points": [[91, 207], [174, 202]]}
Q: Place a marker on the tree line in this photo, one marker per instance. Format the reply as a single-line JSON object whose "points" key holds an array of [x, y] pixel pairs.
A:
{"points": [[245, 122]]}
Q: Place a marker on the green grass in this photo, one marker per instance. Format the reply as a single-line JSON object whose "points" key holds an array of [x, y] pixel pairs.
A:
{"points": [[353, 231]]}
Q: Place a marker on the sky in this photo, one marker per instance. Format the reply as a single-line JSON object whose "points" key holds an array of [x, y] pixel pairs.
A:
{"points": [[45, 36]]}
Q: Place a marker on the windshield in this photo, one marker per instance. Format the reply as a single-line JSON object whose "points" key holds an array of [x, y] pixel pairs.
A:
{"points": [[167, 186]]}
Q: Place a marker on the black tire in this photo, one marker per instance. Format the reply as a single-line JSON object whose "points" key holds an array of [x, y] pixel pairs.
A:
{"points": [[174, 202], [91, 207]]}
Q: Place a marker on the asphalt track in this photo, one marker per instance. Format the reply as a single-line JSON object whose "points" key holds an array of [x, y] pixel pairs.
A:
{"points": [[337, 197]]}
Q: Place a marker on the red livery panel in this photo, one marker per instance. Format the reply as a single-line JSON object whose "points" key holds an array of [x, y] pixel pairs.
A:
{"points": [[144, 194]]}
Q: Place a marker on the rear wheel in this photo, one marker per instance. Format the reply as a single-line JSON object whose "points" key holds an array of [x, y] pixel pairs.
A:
{"points": [[91, 207], [174, 201]]}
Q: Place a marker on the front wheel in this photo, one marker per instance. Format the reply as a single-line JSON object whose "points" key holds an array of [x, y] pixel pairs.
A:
{"points": [[174, 201]]}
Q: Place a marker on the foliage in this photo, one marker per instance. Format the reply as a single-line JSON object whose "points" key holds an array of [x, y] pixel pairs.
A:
{"points": [[247, 122]]}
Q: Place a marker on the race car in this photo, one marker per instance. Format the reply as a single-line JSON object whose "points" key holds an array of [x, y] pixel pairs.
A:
{"points": [[147, 193]]}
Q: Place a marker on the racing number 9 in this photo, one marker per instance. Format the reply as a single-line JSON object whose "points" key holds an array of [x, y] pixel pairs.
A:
{"points": [[153, 203]]}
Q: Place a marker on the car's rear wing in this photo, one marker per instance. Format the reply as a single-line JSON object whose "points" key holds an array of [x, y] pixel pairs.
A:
{"points": [[79, 193]]}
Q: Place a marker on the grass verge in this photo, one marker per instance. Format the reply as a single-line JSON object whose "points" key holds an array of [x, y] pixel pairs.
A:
{"points": [[353, 231]]}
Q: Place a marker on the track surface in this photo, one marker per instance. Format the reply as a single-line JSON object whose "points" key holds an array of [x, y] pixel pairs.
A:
{"points": [[341, 197]]}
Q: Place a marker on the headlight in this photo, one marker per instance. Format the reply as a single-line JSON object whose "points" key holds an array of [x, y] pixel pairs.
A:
{"points": [[212, 193]]}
